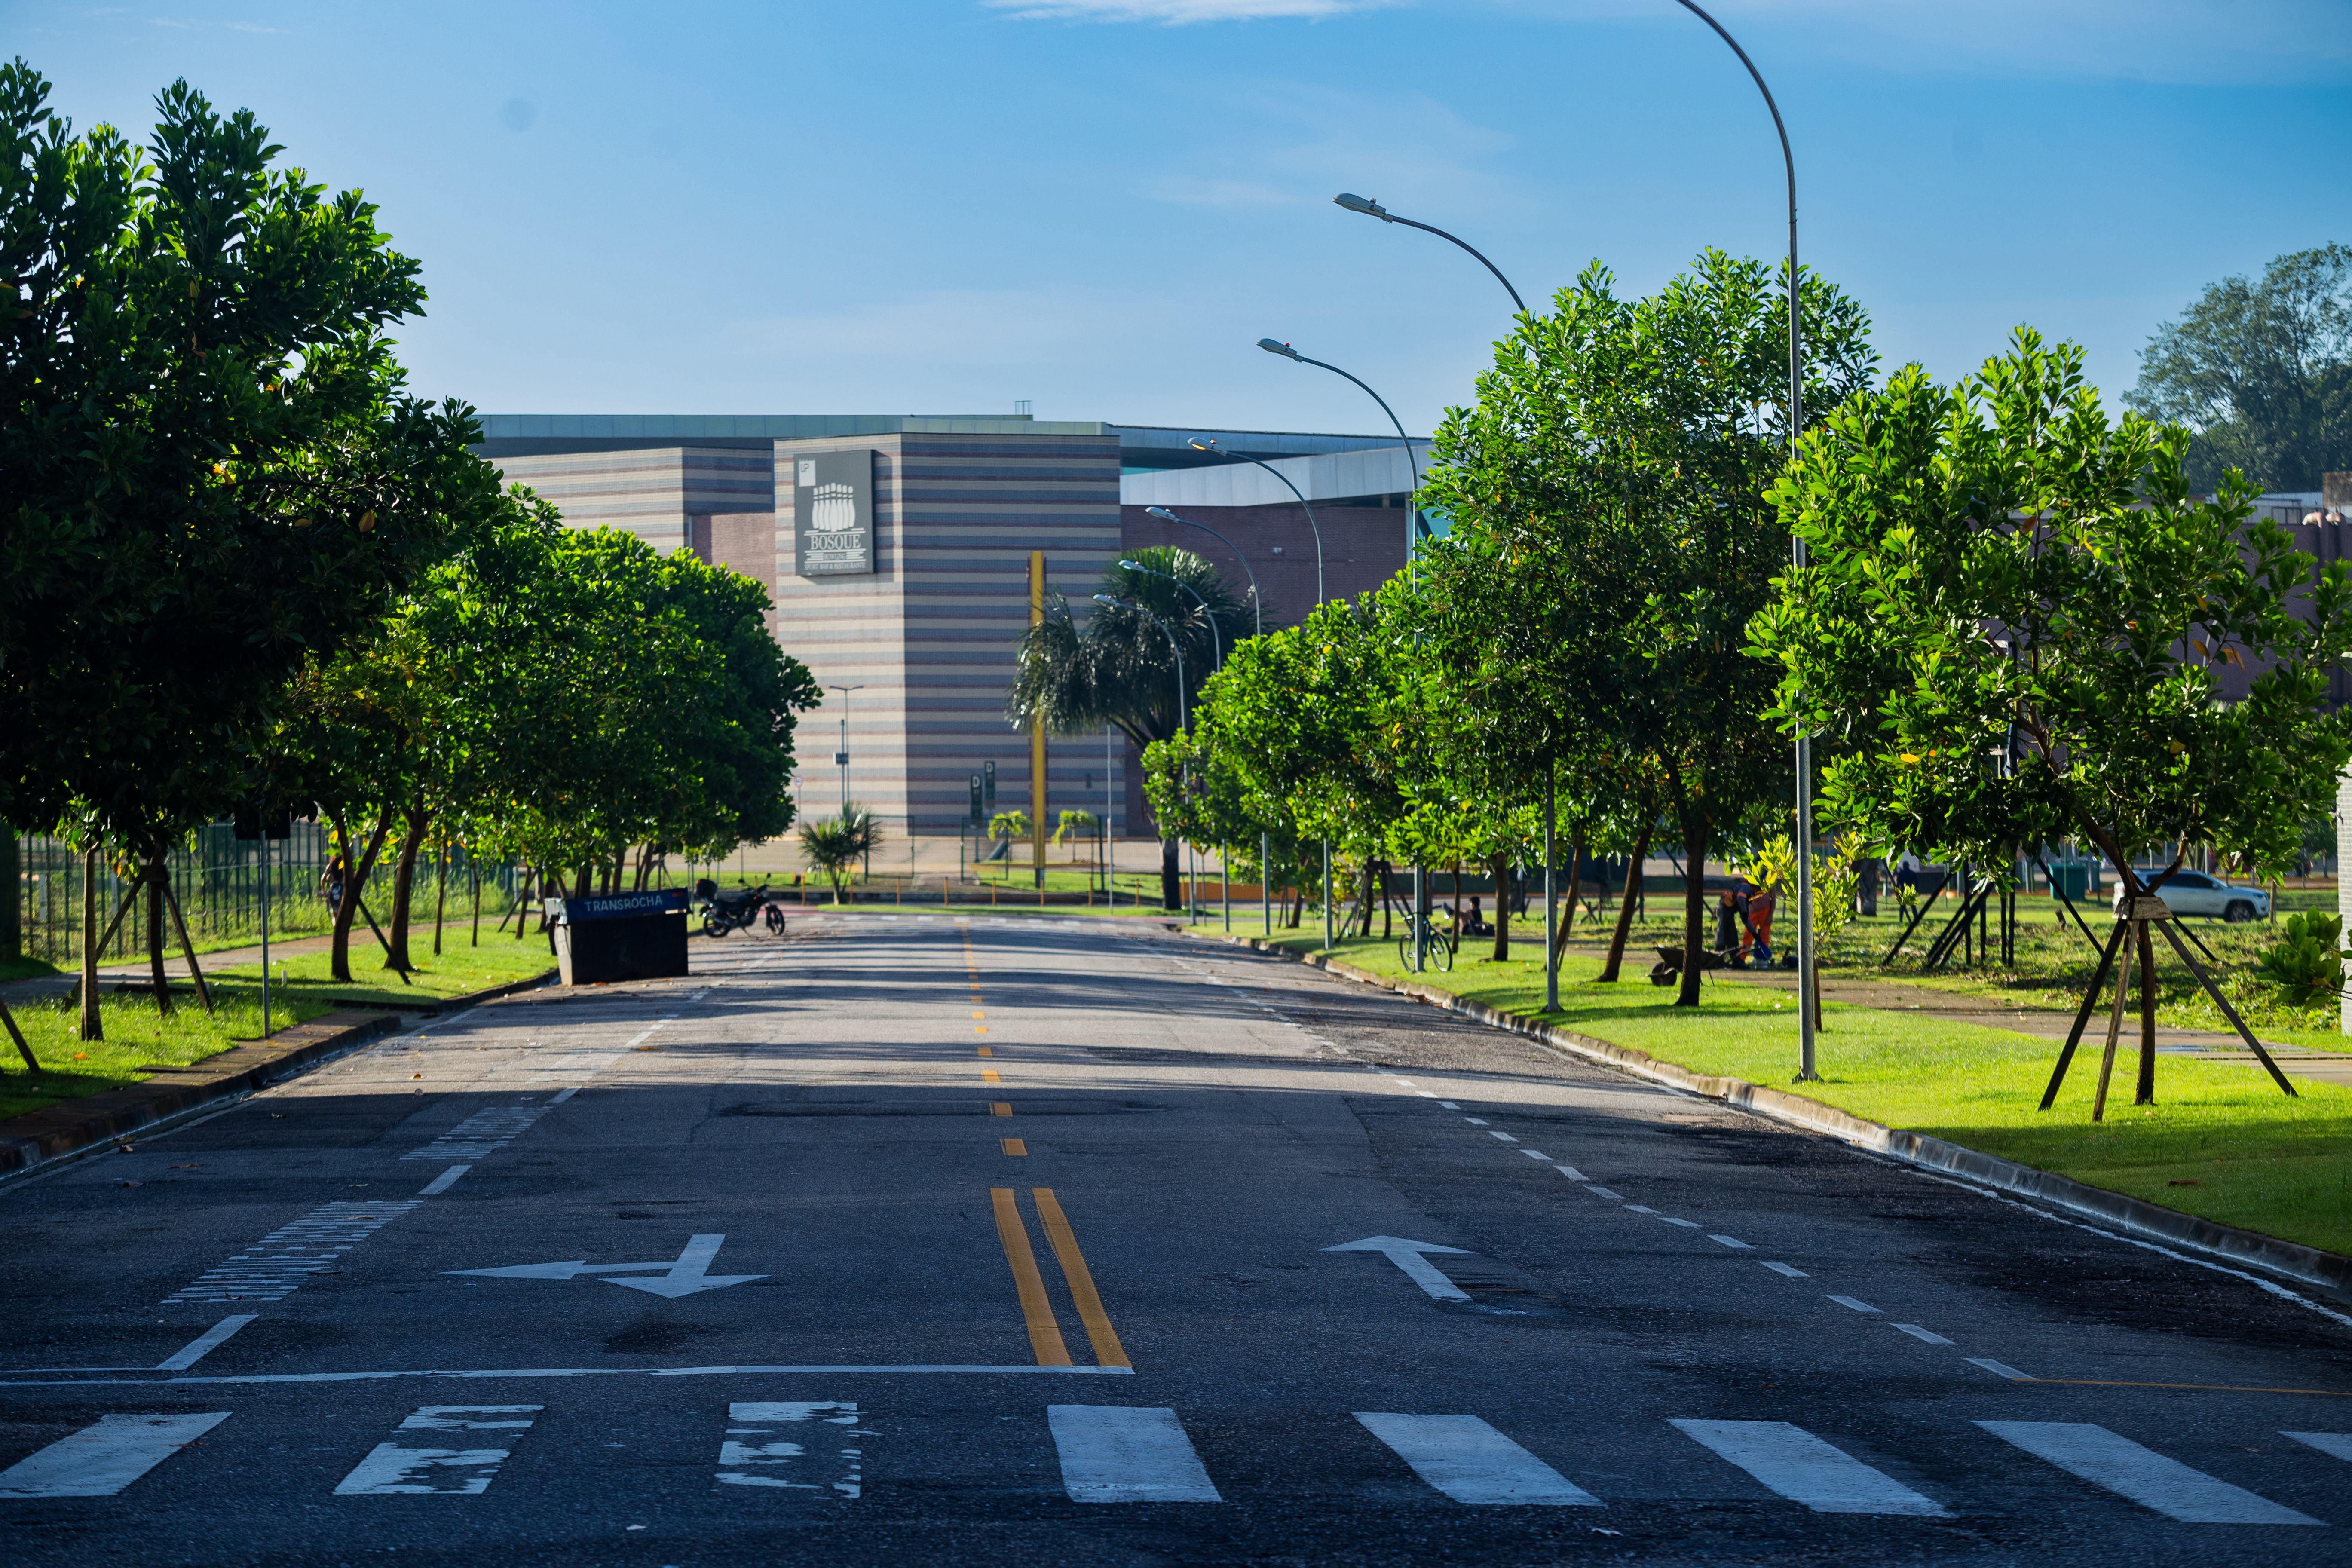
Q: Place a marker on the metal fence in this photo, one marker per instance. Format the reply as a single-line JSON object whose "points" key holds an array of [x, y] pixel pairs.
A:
{"points": [[216, 881]]}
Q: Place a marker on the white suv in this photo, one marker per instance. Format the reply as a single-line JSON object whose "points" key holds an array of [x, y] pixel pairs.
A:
{"points": [[2188, 892]]}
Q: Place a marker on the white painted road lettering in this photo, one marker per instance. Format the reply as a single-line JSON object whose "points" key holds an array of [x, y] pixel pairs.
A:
{"points": [[99, 1460], [1802, 1469], [1118, 1452], [393, 1469], [1471, 1462], [770, 1439]]}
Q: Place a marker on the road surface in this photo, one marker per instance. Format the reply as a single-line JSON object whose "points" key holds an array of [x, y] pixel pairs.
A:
{"points": [[923, 1240]]}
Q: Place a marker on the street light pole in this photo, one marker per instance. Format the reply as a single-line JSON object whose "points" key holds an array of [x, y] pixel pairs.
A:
{"points": [[1373, 209], [1415, 532], [1210, 446], [841, 757], [1807, 1000], [1217, 644]]}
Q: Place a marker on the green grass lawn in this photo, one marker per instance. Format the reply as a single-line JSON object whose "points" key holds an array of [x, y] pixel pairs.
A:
{"points": [[2257, 1158], [137, 1036]]}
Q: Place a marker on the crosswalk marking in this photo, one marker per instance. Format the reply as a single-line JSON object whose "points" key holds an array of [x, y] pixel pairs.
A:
{"points": [[2336, 1443], [102, 1458], [1469, 1461], [1118, 1452], [1802, 1469], [276, 1265], [2107, 1459], [392, 1469], [487, 1130], [773, 1463]]}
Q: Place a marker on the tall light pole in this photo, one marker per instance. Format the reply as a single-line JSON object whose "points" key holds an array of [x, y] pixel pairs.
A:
{"points": [[1265, 846], [1370, 208], [1806, 1000], [1217, 642], [1258, 599], [1113, 602], [841, 757], [1415, 532], [1373, 209], [1211, 446]]}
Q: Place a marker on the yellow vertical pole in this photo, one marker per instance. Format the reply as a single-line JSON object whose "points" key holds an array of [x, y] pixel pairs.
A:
{"points": [[1037, 733]]}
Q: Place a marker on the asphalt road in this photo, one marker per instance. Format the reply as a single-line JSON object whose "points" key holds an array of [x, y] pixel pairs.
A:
{"points": [[921, 1241]]}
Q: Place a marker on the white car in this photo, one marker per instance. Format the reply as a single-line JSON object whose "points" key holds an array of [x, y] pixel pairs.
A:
{"points": [[2187, 892]]}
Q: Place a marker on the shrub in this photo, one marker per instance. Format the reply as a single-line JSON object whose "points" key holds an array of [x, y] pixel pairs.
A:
{"points": [[2307, 963]]}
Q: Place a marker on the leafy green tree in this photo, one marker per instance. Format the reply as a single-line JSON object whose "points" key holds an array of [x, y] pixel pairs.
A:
{"points": [[1612, 539], [2000, 570], [2261, 372], [1119, 669], [836, 845]]}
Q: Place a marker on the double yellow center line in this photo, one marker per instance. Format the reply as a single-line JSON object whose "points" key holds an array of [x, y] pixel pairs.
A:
{"points": [[1029, 1283]]}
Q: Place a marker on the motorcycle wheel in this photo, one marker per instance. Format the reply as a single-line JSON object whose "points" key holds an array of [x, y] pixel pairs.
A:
{"points": [[713, 926]]}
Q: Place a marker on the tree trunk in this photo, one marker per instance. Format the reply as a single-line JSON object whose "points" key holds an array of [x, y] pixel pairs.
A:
{"points": [[1625, 907], [150, 870], [440, 896], [474, 879], [1502, 867], [1694, 838], [404, 888], [92, 1026], [1171, 890], [1575, 879], [356, 876]]}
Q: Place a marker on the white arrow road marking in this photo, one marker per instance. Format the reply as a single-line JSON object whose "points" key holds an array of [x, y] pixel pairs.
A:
{"points": [[681, 1276], [100, 1460], [1469, 1461], [1407, 1255]]}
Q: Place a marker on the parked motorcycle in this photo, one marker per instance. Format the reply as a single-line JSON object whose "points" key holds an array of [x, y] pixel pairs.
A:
{"points": [[724, 913]]}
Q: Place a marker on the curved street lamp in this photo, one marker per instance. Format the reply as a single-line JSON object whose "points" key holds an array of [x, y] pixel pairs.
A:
{"points": [[1216, 638], [1416, 530], [1211, 446], [1370, 208], [1807, 1002], [1258, 599]]}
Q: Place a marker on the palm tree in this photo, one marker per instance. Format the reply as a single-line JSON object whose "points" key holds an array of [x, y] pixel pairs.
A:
{"points": [[1118, 669], [835, 844]]}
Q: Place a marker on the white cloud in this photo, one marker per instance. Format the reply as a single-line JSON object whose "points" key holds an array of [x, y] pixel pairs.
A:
{"points": [[1176, 13]]}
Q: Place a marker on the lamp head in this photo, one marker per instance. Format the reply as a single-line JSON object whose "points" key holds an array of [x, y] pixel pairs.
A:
{"points": [[1131, 565], [1370, 208], [1208, 445], [1272, 347], [1105, 599], [1162, 513]]}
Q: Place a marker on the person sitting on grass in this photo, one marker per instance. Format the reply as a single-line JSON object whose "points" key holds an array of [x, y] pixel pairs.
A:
{"points": [[1476, 925]]}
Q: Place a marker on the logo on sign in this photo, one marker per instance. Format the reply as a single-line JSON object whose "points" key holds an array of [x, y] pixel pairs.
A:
{"points": [[834, 508]]}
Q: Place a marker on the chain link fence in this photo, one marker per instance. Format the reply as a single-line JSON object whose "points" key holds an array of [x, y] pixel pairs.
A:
{"points": [[216, 878]]}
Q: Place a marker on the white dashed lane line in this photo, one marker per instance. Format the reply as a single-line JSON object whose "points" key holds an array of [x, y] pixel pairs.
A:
{"points": [[1791, 1273], [1851, 1304]]}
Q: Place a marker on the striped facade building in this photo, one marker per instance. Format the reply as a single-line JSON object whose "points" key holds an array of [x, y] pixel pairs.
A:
{"points": [[923, 632]]}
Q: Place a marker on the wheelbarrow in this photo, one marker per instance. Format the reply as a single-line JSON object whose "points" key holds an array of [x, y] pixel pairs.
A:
{"points": [[1669, 968]]}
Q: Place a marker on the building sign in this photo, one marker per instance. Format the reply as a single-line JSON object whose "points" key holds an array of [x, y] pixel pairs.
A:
{"points": [[832, 513]]}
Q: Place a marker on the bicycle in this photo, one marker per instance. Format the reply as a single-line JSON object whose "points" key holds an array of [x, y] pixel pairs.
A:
{"points": [[1439, 944]]}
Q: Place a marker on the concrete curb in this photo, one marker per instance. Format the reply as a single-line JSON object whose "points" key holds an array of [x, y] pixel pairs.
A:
{"points": [[2326, 1271], [72, 1128]]}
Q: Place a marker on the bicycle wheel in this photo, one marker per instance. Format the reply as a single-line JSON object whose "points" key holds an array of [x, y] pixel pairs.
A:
{"points": [[1404, 951], [1441, 950]]}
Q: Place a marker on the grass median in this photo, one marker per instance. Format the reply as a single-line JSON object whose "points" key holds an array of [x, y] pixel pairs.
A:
{"points": [[137, 1036], [2221, 1143]]}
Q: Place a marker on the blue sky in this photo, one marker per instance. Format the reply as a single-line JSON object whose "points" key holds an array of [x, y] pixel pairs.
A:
{"points": [[1101, 205]]}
